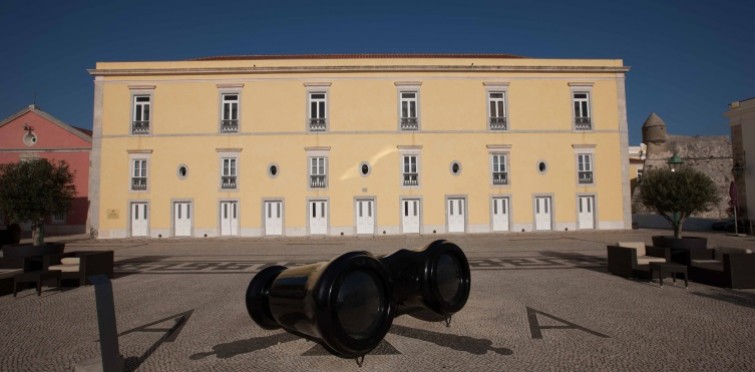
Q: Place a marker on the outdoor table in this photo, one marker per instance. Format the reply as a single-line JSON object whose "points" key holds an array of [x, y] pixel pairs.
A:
{"points": [[671, 268]]}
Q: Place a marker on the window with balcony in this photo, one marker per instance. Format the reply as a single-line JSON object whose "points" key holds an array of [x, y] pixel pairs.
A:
{"points": [[229, 120], [498, 169], [497, 111], [141, 119], [228, 176], [318, 119], [584, 168], [582, 120], [409, 118], [410, 173], [317, 172], [139, 175]]}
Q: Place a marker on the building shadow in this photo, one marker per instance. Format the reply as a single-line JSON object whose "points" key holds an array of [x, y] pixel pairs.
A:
{"points": [[739, 298], [580, 261]]}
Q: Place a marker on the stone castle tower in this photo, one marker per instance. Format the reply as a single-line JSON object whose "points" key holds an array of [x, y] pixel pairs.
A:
{"points": [[708, 154]]}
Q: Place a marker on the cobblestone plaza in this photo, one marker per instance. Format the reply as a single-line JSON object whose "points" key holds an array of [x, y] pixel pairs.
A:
{"points": [[539, 302]]}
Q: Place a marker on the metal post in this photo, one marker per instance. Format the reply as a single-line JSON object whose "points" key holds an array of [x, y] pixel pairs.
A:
{"points": [[110, 357]]}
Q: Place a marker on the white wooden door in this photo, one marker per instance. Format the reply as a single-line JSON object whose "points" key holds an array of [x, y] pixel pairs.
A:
{"points": [[182, 219], [500, 214], [139, 219], [365, 212], [542, 213], [410, 216], [318, 217], [229, 218], [586, 212], [273, 218], [455, 215]]}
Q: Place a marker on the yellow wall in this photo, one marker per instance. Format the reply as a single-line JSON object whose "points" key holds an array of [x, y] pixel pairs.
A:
{"points": [[363, 126]]}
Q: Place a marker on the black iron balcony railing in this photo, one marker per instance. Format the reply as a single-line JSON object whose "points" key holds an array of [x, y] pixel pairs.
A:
{"points": [[585, 177], [582, 123], [409, 124], [228, 182], [229, 126], [138, 183], [140, 127], [317, 182], [411, 179], [500, 178], [498, 123], [318, 124]]}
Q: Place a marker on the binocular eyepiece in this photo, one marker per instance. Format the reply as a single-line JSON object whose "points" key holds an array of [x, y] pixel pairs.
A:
{"points": [[348, 304]]}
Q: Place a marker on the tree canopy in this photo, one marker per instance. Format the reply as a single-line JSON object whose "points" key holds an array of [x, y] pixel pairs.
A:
{"points": [[32, 190], [676, 195]]}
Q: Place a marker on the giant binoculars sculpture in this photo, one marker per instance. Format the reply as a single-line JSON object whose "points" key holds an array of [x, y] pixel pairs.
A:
{"points": [[349, 303]]}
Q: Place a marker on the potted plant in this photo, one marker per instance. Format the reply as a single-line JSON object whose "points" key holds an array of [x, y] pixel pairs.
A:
{"points": [[31, 191], [676, 194]]}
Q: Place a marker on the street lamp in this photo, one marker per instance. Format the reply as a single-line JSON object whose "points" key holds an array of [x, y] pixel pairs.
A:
{"points": [[675, 162], [738, 169]]}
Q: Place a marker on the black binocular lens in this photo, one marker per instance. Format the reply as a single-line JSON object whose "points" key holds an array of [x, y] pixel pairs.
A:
{"points": [[358, 304], [448, 277]]}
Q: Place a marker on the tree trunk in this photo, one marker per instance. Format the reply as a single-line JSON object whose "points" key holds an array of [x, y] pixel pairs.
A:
{"points": [[38, 233]]}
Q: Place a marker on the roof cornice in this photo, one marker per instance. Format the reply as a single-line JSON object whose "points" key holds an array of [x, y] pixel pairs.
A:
{"points": [[347, 69]]}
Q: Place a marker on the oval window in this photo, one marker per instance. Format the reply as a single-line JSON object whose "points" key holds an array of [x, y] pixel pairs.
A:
{"points": [[455, 168], [183, 171], [364, 168], [272, 170], [542, 167]]}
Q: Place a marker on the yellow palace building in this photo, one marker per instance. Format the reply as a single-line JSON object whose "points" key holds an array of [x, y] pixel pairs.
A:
{"points": [[367, 144]]}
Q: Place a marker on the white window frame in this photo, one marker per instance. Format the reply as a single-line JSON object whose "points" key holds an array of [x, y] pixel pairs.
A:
{"points": [[409, 123], [229, 125], [580, 121], [499, 121], [140, 171], [318, 172], [229, 172], [322, 123], [317, 178], [142, 127], [499, 150], [228, 176], [581, 152], [318, 112], [410, 152], [499, 166], [229, 118], [585, 166]]}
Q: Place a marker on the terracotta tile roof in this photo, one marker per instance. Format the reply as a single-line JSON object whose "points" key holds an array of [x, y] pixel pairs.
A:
{"points": [[352, 56]]}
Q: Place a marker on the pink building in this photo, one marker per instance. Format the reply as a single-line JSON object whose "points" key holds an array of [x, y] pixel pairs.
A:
{"points": [[33, 133]]}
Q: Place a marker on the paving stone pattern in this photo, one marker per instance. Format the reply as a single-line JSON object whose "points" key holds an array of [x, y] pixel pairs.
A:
{"points": [[180, 307]]}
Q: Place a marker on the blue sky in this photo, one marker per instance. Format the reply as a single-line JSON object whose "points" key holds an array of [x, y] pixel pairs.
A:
{"points": [[689, 58]]}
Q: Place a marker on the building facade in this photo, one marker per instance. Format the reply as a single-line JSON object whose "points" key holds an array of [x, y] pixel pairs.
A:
{"points": [[358, 145], [32, 133], [741, 116]]}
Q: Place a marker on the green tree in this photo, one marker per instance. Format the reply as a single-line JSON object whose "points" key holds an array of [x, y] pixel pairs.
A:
{"points": [[676, 195], [32, 190]]}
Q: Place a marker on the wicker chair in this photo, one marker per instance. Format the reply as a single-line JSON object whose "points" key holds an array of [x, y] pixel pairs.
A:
{"points": [[632, 259], [724, 267], [79, 266]]}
